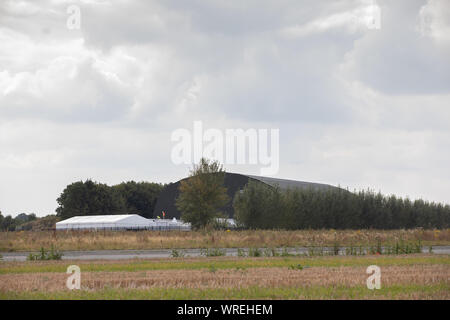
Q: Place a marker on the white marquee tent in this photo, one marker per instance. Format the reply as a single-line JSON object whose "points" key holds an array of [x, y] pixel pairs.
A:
{"points": [[117, 222]]}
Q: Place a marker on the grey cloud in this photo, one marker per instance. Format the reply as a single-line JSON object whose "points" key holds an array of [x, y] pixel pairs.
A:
{"points": [[398, 59], [41, 20], [68, 90], [359, 107]]}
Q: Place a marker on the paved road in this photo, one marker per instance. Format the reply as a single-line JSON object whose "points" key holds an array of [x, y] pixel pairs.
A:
{"points": [[163, 253]]}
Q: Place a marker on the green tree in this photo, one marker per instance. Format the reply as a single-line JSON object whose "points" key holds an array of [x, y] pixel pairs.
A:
{"points": [[265, 207], [7, 223], [259, 206], [140, 197], [202, 194], [23, 218], [89, 198]]}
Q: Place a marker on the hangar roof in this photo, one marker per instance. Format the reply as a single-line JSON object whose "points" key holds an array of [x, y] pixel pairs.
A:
{"points": [[292, 184]]}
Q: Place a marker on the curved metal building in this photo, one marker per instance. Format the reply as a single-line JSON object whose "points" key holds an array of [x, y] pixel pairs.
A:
{"points": [[233, 182]]}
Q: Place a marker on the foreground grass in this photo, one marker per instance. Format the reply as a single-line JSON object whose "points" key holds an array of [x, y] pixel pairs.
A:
{"points": [[221, 263], [416, 276], [116, 240], [440, 291]]}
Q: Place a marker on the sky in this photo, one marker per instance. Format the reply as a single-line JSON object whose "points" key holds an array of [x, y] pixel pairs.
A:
{"points": [[358, 89]]}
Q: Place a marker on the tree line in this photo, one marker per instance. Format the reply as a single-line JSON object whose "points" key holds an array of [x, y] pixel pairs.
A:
{"points": [[259, 206], [88, 197], [9, 223]]}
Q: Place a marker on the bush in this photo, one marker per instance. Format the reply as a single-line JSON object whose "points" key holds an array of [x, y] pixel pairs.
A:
{"points": [[254, 252], [240, 252], [213, 252], [177, 253], [296, 267], [53, 254], [271, 252]]}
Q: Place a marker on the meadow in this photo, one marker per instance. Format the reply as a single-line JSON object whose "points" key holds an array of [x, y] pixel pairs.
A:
{"points": [[415, 276], [116, 240], [263, 271]]}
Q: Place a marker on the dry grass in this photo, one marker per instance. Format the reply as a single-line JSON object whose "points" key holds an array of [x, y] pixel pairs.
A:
{"points": [[423, 277], [67, 240], [231, 278]]}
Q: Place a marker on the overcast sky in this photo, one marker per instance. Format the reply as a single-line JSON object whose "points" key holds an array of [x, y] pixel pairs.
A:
{"points": [[356, 106]]}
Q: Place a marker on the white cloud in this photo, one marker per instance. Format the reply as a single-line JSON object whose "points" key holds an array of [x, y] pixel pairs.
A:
{"points": [[435, 20], [355, 106], [398, 59], [355, 19]]}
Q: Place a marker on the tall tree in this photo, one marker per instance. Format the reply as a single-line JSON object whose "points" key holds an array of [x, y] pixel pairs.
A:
{"points": [[255, 205], [7, 223], [140, 197], [89, 198], [202, 194]]}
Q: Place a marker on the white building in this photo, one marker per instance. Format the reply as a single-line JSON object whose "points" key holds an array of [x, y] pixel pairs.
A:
{"points": [[120, 222]]}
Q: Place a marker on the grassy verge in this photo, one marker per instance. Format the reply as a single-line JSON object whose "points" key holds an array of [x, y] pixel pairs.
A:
{"points": [[108, 240], [221, 263]]}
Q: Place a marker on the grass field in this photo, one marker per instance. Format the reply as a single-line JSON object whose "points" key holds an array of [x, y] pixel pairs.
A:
{"points": [[110, 240], [415, 276], [411, 276]]}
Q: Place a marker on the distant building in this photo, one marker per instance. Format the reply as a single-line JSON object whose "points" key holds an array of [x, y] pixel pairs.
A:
{"points": [[120, 222], [233, 182]]}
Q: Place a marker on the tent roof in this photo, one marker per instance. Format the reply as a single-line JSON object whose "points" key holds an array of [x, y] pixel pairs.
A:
{"points": [[103, 219]]}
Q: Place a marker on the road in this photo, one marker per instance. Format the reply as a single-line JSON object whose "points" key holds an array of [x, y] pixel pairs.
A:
{"points": [[159, 253]]}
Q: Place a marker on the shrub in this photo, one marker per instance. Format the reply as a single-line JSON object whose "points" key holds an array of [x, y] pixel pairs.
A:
{"points": [[271, 252], [254, 252], [213, 252], [177, 253], [53, 254], [296, 267], [240, 252]]}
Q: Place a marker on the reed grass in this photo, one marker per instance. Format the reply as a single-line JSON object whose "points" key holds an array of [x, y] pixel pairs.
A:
{"points": [[415, 276], [121, 240], [294, 275], [340, 292]]}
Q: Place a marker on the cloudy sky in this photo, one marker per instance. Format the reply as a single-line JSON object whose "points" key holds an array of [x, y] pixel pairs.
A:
{"points": [[356, 105]]}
